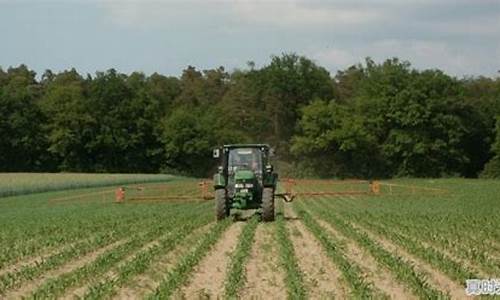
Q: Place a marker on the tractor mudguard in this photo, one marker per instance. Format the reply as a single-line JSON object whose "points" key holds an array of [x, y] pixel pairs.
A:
{"points": [[270, 180], [219, 181]]}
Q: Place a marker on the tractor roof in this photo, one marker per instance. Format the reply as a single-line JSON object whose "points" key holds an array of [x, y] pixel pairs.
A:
{"points": [[247, 146]]}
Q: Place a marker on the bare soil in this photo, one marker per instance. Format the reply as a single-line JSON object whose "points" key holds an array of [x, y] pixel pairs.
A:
{"points": [[208, 277], [34, 260], [31, 286], [379, 276], [435, 278], [79, 291], [466, 263], [265, 277], [322, 278], [146, 283]]}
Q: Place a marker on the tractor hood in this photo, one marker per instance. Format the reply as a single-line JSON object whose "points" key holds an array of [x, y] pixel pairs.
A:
{"points": [[244, 175]]}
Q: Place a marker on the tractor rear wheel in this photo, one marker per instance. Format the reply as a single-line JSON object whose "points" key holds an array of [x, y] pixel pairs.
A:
{"points": [[268, 205], [221, 207]]}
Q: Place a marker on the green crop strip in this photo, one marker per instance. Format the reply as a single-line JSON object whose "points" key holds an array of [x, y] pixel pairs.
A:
{"points": [[143, 260], [56, 286], [294, 278], [432, 256], [12, 184], [14, 279], [30, 272], [235, 277], [448, 266], [57, 227], [404, 272], [105, 261], [180, 273], [351, 272], [18, 250], [413, 234]]}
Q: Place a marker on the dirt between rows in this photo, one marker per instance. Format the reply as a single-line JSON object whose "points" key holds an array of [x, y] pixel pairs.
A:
{"points": [[208, 277], [435, 278], [34, 260], [264, 274], [43, 255], [380, 277], [468, 264], [322, 278], [146, 283], [31, 286], [78, 292]]}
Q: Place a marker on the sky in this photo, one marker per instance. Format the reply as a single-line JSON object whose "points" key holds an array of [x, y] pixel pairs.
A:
{"points": [[460, 37]]}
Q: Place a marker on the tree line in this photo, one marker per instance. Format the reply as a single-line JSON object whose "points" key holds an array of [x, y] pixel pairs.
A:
{"points": [[370, 120]]}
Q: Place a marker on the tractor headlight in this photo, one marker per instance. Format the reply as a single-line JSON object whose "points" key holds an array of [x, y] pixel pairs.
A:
{"points": [[249, 185], [239, 185]]}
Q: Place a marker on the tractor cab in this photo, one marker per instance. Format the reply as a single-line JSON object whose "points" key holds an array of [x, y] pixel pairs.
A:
{"points": [[245, 180], [245, 158]]}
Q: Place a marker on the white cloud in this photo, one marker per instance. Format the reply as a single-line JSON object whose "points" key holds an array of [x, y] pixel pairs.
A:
{"points": [[423, 54], [294, 14], [266, 13], [427, 33], [474, 26], [159, 14], [334, 58]]}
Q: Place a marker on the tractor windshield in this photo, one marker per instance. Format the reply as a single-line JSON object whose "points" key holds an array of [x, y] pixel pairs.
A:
{"points": [[245, 158]]}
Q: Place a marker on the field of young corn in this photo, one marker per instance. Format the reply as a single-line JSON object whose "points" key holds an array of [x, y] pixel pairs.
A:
{"points": [[414, 246], [25, 183]]}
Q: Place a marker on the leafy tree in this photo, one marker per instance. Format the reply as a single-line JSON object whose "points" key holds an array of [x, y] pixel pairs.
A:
{"points": [[202, 88], [188, 141], [21, 143], [484, 95], [189, 135], [409, 123], [347, 82], [126, 136], [242, 108], [69, 121], [335, 142], [144, 150], [291, 82], [108, 95], [164, 89], [419, 117], [370, 120], [492, 168]]}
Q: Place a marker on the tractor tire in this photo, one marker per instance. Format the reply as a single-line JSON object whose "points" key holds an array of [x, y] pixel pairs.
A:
{"points": [[268, 205], [221, 205]]}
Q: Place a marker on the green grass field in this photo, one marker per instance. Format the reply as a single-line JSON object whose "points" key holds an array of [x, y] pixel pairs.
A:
{"points": [[399, 246], [26, 183]]}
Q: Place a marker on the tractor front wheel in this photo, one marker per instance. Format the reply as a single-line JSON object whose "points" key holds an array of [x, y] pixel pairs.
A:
{"points": [[268, 205], [221, 207]]}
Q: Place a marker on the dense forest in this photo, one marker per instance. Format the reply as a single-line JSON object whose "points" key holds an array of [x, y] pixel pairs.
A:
{"points": [[371, 120]]}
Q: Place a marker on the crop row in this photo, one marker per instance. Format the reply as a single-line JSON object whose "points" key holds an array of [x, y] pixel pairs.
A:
{"points": [[360, 288], [403, 271], [235, 277], [26, 183], [294, 278], [441, 217], [33, 231], [476, 254], [30, 272], [180, 273], [435, 257], [144, 259]]}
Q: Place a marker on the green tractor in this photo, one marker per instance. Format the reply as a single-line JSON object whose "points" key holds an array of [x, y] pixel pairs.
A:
{"points": [[245, 180]]}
